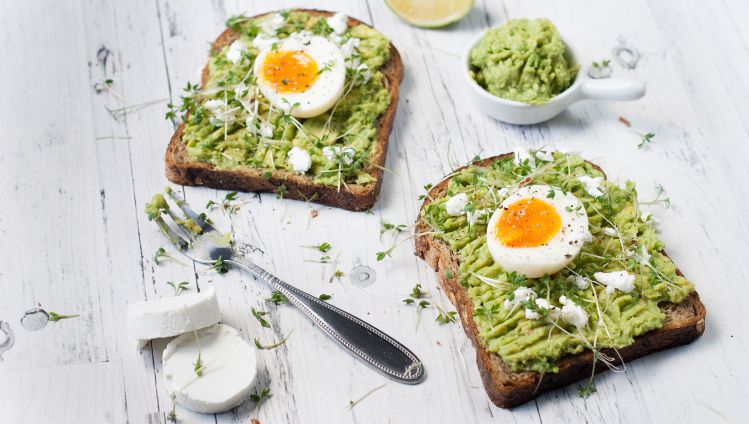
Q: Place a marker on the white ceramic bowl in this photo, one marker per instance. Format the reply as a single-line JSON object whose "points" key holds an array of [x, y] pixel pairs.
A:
{"points": [[583, 88]]}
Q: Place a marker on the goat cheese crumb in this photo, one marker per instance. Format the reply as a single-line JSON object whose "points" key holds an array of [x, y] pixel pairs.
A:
{"points": [[338, 23], [475, 216], [617, 280], [347, 48], [266, 130], [644, 255], [581, 283], [554, 312], [272, 25], [235, 51], [455, 205], [592, 185], [573, 313], [609, 231], [300, 159], [544, 155], [521, 294], [264, 41]]}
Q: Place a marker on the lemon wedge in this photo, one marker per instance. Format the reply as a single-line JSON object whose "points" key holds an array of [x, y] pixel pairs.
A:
{"points": [[430, 13]]}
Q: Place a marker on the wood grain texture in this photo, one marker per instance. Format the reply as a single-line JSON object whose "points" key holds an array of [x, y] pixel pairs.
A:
{"points": [[76, 240]]}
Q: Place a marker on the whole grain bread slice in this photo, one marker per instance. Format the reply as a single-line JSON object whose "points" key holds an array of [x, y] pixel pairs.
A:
{"points": [[684, 323], [181, 169]]}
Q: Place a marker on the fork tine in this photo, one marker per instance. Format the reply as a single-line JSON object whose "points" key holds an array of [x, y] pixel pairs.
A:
{"points": [[187, 210], [171, 235]]}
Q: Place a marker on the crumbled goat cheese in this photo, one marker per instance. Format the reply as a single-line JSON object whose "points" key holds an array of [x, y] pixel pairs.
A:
{"points": [[609, 231], [299, 159], [236, 49], [272, 25], [545, 155], [554, 312], [573, 313], [617, 280], [264, 41], [592, 185], [455, 205], [338, 23]]}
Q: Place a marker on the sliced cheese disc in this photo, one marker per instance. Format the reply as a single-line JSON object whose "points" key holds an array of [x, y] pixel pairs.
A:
{"points": [[228, 374], [172, 316]]}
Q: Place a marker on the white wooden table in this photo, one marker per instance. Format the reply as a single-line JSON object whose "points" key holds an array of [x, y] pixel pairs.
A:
{"points": [[75, 239]]}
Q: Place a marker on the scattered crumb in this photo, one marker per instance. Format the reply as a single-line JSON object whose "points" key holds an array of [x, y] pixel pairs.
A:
{"points": [[625, 121], [313, 213], [438, 343], [254, 421]]}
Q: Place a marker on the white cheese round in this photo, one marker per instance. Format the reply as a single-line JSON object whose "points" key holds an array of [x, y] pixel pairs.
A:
{"points": [[229, 369], [171, 316]]}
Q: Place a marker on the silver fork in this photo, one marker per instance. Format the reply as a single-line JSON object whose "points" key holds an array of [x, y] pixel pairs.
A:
{"points": [[366, 342]]}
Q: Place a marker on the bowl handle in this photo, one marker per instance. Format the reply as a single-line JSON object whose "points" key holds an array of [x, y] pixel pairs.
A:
{"points": [[613, 89]]}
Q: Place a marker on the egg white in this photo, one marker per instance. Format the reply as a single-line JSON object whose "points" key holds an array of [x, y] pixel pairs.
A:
{"points": [[560, 251], [324, 91]]}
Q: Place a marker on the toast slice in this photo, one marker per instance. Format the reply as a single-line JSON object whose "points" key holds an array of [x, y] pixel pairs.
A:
{"points": [[684, 323], [181, 169]]}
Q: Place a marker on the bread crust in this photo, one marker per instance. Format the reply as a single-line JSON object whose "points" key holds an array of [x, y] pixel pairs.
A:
{"points": [[684, 323], [181, 169]]}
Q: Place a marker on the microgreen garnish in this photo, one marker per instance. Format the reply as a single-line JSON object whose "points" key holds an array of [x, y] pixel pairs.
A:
{"points": [[178, 287], [645, 139], [161, 254], [278, 298], [280, 191], [260, 397], [444, 317], [386, 226], [259, 317], [325, 296], [660, 197], [204, 217], [226, 204], [54, 316], [336, 275], [328, 66], [323, 247], [220, 266], [416, 294], [586, 390], [273, 345], [353, 403], [600, 69], [427, 187], [198, 366], [172, 416]]}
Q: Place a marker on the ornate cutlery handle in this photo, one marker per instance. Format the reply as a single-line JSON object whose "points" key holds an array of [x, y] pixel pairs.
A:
{"points": [[366, 342]]}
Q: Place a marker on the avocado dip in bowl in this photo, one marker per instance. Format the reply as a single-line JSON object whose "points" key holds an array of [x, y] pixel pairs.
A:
{"points": [[524, 72]]}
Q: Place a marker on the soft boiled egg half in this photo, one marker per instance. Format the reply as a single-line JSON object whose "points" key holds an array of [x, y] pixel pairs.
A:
{"points": [[302, 74], [537, 231]]}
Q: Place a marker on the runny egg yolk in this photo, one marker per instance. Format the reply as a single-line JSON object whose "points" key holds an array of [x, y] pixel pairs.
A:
{"points": [[289, 71], [528, 223]]}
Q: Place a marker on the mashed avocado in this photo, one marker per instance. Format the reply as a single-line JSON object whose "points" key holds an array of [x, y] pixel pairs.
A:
{"points": [[536, 344], [523, 60], [219, 135]]}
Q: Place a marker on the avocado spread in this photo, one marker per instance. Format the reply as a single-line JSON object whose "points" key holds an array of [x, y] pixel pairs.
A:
{"points": [[523, 60], [624, 239], [217, 132]]}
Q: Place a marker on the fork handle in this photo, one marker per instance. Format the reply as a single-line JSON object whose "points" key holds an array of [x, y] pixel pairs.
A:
{"points": [[363, 340]]}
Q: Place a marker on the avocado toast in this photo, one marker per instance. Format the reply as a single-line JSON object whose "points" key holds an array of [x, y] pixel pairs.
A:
{"points": [[235, 157], [521, 355]]}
